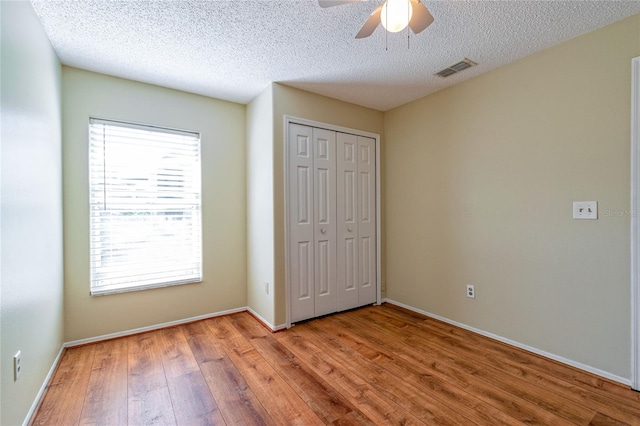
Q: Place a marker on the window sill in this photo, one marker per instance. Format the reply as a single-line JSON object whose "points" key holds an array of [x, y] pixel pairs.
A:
{"points": [[105, 291]]}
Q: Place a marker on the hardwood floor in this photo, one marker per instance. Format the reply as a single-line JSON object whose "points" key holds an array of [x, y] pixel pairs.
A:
{"points": [[375, 365]]}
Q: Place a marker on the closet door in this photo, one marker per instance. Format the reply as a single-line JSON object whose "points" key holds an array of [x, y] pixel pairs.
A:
{"points": [[356, 215], [324, 178], [366, 220], [312, 222], [347, 217], [301, 223]]}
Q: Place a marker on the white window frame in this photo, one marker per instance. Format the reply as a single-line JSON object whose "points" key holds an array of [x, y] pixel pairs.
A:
{"points": [[146, 247]]}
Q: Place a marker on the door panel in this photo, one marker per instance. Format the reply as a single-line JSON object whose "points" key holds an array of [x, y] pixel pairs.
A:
{"points": [[324, 152], [351, 271], [305, 270], [367, 292], [347, 206], [301, 241], [324, 269], [324, 181], [304, 200], [364, 194]]}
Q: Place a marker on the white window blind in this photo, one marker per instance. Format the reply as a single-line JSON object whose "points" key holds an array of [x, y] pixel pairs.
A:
{"points": [[145, 207]]}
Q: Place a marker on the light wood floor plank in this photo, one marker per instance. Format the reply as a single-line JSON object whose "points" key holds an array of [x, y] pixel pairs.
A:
{"points": [[65, 394], [472, 364], [427, 386], [426, 409], [238, 404], [106, 399], [279, 399], [145, 368], [412, 399], [177, 357], [192, 401], [490, 393], [325, 402], [602, 420], [360, 393], [151, 407]]}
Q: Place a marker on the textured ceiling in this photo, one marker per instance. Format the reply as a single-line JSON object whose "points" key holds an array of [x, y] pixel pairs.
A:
{"points": [[233, 49]]}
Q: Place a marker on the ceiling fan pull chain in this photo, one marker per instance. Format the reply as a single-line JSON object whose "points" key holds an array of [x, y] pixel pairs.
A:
{"points": [[386, 41], [386, 34], [408, 20]]}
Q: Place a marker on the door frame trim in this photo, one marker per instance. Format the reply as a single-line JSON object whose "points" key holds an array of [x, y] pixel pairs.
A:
{"points": [[635, 223], [288, 119]]}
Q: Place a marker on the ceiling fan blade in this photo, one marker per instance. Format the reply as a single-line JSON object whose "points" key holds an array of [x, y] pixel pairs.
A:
{"points": [[421, 17], [331, 3], [371, 24]]}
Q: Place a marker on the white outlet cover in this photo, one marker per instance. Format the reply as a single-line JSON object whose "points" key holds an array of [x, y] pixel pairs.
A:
{"points": [[585, 209], [17, 365], [471, 291]]}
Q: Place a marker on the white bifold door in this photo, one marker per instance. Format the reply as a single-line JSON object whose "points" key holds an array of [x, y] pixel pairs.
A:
{"points": [[332, 221]]}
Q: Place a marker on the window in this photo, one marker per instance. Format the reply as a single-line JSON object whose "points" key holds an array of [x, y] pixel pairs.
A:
{"points": [[144, 185]]}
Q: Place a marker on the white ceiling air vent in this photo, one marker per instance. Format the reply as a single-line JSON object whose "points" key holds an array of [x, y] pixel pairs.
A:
{"points": [[456, 68]]}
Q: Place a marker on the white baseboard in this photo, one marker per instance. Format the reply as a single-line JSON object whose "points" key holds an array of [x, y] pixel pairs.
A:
{"points": [[265, 322], [43, 388], [151, 327], [536, 351]]}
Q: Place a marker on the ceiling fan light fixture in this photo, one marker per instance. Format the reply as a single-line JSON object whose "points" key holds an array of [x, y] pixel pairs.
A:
{"points": [[396, 15]]}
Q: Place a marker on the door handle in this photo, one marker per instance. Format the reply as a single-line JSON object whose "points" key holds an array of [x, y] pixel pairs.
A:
{"points": [[323, 231], [349, 229]]}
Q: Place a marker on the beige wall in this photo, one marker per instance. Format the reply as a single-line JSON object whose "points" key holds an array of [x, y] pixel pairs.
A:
{"points": [[480, 180], [260, 260], [31, 307], [222, 128], [301, 104]]}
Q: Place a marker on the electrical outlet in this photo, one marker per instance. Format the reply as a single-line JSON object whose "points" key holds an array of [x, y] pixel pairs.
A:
{"points": [[266, 288], [471, 291], [17, 365]]}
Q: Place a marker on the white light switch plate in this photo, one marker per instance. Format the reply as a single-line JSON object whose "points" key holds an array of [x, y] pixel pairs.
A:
{"points": [[585, 209]]}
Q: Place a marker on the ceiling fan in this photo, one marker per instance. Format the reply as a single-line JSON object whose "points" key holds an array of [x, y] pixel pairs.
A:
{"points": [[394, 15]]}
